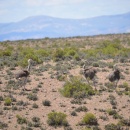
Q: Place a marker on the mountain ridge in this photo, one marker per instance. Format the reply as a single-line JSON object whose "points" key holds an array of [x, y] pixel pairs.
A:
{"points": [[43, 26]]}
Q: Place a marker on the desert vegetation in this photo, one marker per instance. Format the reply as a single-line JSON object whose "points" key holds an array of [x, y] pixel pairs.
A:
{"points": [[57, 95]]}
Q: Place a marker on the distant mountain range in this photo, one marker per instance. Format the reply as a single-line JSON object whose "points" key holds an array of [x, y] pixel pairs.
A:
{"points": [[45, 26]]}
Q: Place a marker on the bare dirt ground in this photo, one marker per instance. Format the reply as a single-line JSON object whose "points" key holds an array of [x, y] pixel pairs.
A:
{"points": [[49, 87], [50, 91]]}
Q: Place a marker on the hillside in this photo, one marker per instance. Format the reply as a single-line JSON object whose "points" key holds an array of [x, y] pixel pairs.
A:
{"points": [[44, 26], [57, 95]]}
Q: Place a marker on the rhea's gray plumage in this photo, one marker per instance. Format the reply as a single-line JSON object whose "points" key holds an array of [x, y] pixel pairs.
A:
{"points": [[89, 73], [114, 76], [23, 74]]}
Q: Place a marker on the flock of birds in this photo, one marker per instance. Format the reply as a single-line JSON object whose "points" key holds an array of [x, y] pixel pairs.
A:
{"points": [[89, 74]]}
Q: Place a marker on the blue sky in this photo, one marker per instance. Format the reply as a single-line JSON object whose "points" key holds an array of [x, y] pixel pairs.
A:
{"points": [[16, 10]]}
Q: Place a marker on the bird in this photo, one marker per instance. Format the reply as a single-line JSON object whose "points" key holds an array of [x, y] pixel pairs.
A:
{"points": [[114, 76], [89, 73], [23, 74]]}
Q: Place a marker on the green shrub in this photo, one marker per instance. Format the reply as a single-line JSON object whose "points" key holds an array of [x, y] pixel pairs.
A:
{"points": [[61, 77], [35, 119], [42, 53], [111, 112], [89, 119], [112, 127], [8, 101], [32, 96], [124, 122], [58, 54], [35, 105], [21, 120], [3, 125], [1, 98], [81, 108], [71, 52], [76, 88], [73, 113], [57, 119], [77, 57]]}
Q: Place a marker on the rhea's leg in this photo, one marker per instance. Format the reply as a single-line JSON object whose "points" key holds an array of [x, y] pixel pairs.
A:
{"points": [[116, 85], [94, 83], [24, 83]]}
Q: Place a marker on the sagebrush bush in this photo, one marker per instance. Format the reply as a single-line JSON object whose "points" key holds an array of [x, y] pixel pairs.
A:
{"points": [[8, 101], [57, 119], [111, 112], [76, 88], [58, 54], [21, 120], [81, 108], [32, 96], [89, 119], [112, 127], [35, 105], [124, 122], [3, 125]]}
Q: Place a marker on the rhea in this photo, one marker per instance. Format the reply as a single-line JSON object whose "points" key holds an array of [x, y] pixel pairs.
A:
{"points": [[23, 74], [114, 76], [89, 73]]}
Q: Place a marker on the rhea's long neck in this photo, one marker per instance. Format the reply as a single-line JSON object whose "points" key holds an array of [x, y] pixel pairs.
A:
{"points": [[29, 65], [28, 69]]}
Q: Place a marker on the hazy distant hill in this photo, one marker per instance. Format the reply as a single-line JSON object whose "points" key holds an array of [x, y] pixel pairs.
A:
{"points": [[45, 26]]}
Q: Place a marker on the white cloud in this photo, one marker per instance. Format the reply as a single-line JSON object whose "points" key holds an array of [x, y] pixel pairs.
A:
{"points": [[15, 10], [51, 2]]}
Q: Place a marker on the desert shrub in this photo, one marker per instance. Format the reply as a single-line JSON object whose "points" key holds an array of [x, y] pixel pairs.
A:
{"points": [[96, 128], [126, 86], [124, 122], [73, 113], [111, 97], [46, 103], [68, 128], [77, 57], [76, 88], [71, 52], [57, 119], [27, 53], [95, 64], [1, 98], [36, 122], [42, 52], [87, 128], [114, 114], [112, 127], [6, 52], [35, 105], [22, 103], [111, 112], [8, 101], [89, 119], [109, 85], [32, 96], [14, 108], [3, 125], [81, 108], [108, 49], [58, 54], [21, 120], [35, 90], [61, 77]]}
